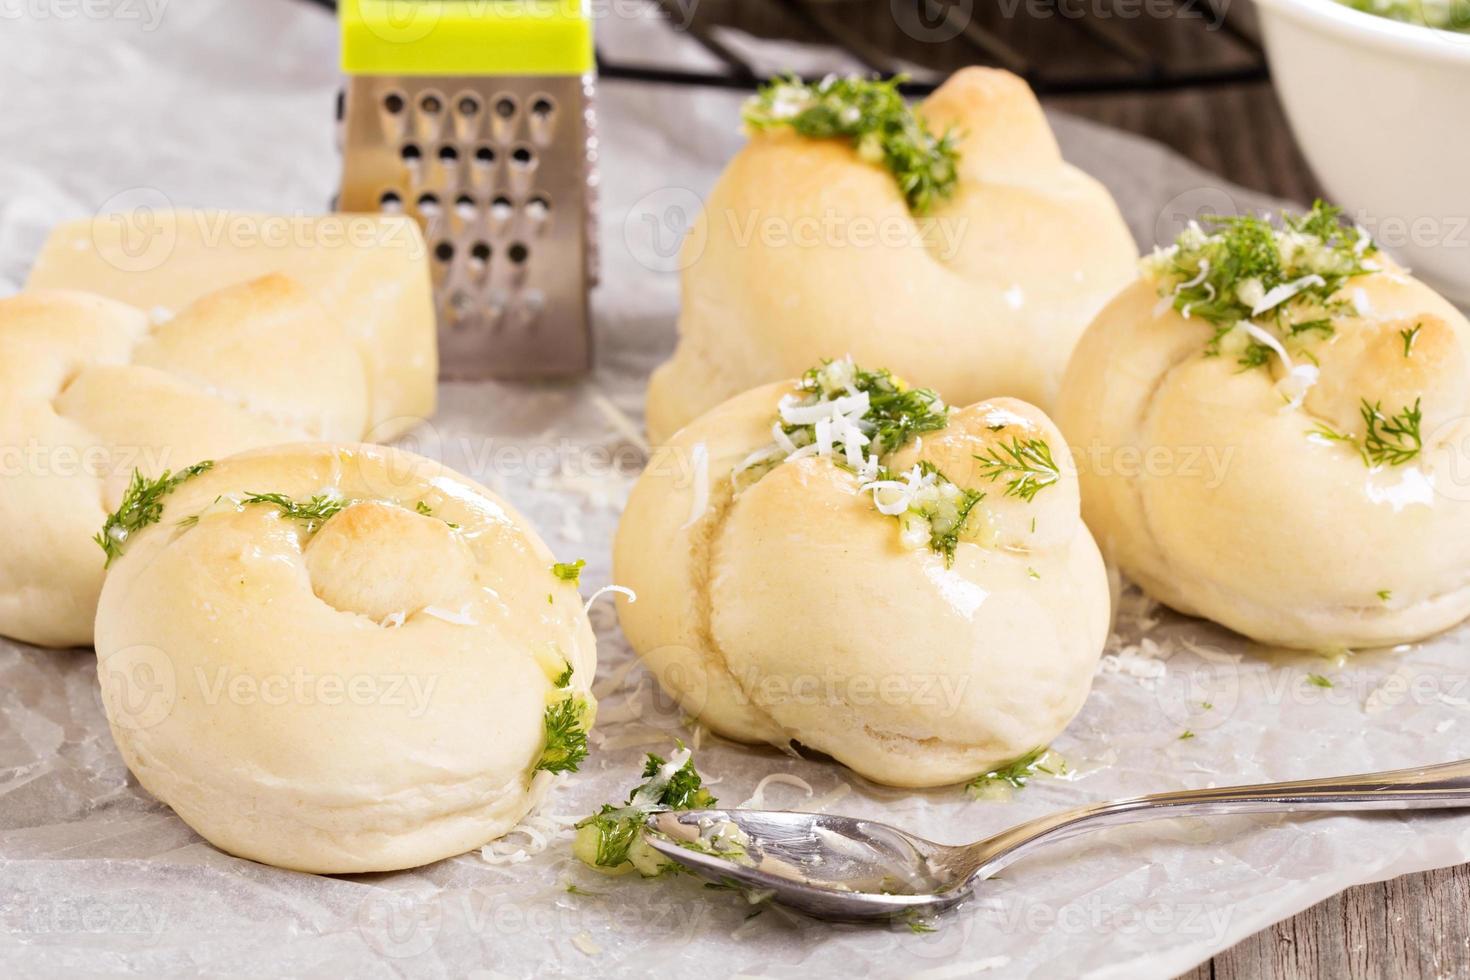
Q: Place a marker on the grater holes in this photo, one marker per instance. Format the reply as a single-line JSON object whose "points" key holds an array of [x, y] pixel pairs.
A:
{"points": [[391, 202], [537, 208], [464, 206], [541, 124], [428, 205], [523, 157], [468, 105], [485, 155], [518, 253], [448, 155], [480, 252], [505, 107], [431, 103], [501, 208], [444, 252], [393, 103], [533, 301], [411, 153]]}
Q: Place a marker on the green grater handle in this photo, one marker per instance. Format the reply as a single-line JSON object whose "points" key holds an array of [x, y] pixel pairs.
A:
{"points": [[466, 37]]}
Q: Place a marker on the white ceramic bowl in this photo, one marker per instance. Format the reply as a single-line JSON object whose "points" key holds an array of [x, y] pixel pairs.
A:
{"points": [[1382, 112]]}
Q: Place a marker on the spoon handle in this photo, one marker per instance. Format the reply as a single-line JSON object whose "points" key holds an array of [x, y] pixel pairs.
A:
{"points": [[1431, 787]]}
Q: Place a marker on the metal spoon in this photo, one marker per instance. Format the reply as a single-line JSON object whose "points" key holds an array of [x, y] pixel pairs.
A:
{"points": [[854, 870]]}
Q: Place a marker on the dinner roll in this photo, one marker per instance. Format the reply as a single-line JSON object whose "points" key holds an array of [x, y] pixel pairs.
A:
{"points": [[805, 248], [342, 658], [92, 389], [846, 563], [1272, 433], [369, 272]]}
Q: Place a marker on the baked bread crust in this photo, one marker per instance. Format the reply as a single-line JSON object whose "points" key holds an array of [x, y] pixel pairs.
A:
{"points": [[363, 696], [792, 611], [1037, 248], [1202, 486]]}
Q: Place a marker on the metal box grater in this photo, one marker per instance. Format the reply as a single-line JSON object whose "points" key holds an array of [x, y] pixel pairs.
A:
{"points": [[476, 118]]}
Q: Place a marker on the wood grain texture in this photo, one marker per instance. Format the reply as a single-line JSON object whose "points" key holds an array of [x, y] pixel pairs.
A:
{"points": [[1412, 928]]}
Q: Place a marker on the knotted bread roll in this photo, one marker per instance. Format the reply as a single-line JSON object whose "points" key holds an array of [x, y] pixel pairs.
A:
{"points": [[343, 659], [1272, 433], [805, 248], [920, 621], [92, 389], [369, 272]]}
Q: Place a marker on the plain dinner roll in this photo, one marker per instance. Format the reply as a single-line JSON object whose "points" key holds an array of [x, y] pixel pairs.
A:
{"points": [[804, 249], [92, 389], [777, 603], [366, 693], [1256, 496], [369, 272]]}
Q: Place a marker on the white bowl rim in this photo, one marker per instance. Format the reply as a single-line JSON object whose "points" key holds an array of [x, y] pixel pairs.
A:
{"points": [[1383, 32]]}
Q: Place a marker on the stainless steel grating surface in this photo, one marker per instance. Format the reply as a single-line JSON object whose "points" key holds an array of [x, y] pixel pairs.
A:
{"points": [[498, 172]]}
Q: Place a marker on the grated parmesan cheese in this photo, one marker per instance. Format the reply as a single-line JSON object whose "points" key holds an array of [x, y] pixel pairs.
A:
{"points": [[621, 589], [461, 617]]}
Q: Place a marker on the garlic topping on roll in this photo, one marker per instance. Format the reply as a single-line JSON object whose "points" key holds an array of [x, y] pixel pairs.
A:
{"points": [[848, 563], [340, 658], [951, 242], [1272, 433]]}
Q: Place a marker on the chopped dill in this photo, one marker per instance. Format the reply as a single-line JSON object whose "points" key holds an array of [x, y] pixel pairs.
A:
{"points": [[918, 926], [313, 513], [935, 510], [1241, 269], [873, 116], [1385, 594], [1324, 431], [1317, 680], [566, 735], [612, 837], [896, 412], [1186, 735], [1018, 772], [565, 677], [1027, 462], [1410, 335], [1391, 440], [569, 571], [142, 505], [854, 418], [423, 507]]}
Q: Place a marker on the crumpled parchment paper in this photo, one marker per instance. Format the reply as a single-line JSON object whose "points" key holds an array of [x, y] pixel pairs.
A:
{"points": [[216, 103]]}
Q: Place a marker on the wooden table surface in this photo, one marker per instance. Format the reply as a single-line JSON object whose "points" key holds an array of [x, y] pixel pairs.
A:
{"points": [[1417, 926]]}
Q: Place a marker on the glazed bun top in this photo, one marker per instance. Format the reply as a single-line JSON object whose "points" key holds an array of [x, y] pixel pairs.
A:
{"points": [[1272, 432], [808, 246], [921, 619], [361, 661]]}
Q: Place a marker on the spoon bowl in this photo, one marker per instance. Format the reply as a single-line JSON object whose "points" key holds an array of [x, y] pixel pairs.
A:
{"points": [[853, 870], [814, 862]]}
